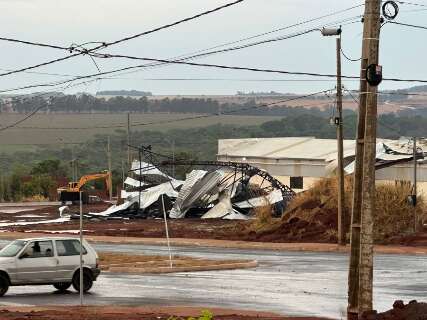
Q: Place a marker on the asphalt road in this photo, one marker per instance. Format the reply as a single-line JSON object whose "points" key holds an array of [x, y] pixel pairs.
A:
{"points": [[291, 283]]}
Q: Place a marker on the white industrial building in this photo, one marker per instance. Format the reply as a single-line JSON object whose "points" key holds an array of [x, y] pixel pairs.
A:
{"points": [[300, 161]]}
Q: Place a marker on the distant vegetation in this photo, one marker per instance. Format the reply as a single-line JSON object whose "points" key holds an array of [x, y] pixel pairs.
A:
{"points": [[87, 103], [130, 93]]}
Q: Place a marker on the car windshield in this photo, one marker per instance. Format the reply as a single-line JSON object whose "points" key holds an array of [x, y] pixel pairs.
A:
{"points": [[12, 249]]}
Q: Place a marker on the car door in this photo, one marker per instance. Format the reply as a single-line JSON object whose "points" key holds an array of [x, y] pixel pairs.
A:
{"points": [[68, 252], [37, 263]]}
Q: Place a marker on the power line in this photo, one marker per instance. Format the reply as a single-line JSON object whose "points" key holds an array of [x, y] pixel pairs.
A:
{"points": [[44, 73], [107, 55], [35, 110], [348, 20], [191, 57], [343, 22], [347, 57], [104, 44], [219, 66], [412, 3], [379, 119], [277, 30], [225, 79], [408, 25], [50, 84], [395, 93]]}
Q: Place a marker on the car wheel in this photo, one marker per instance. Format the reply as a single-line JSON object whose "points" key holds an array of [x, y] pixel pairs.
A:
{"points": [[4, 285], [87, 280], [62, 286]]}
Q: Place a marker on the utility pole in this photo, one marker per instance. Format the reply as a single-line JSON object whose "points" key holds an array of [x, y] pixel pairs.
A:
{"points": [[361, 258], [173, 158], [414, 190], [129, 142], [110, 189], [140, 176], [340, 137], [340, 142], [73, 165]]}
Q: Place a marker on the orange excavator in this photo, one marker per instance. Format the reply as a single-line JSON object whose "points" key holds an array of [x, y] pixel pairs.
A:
{"points": [[71, 192]]}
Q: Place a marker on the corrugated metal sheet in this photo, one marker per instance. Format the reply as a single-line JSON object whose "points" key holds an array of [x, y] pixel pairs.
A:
{"points": [[192, 178]]}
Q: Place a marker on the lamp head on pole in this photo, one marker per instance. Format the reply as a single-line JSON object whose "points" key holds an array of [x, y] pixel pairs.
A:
{"points": [[328, 32]]}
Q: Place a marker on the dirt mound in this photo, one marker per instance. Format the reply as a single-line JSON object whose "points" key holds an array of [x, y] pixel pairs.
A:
{"points": [[312, 216], [315, 225], [412, 311]]}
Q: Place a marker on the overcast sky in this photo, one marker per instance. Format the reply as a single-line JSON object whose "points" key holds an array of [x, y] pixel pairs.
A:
{"points": [[65, 22]]}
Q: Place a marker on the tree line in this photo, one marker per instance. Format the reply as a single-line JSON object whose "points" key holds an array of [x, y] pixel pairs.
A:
{"points": [[85, 103]]}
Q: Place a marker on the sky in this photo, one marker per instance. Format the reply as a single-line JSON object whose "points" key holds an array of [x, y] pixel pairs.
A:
{"points": [[65, 22]]}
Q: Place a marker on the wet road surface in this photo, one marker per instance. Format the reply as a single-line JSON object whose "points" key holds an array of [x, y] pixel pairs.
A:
{"points": [[291, 283]]}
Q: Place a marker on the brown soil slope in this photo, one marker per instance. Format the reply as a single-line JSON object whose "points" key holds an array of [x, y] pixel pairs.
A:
{"points": [[312, 216]]}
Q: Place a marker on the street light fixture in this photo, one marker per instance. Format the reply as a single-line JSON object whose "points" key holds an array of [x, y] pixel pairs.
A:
{"points": [[327, 32]]}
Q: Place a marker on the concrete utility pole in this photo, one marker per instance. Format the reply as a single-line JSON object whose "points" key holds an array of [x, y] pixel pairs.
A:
{"points": [[340, 142], [129, 141], [353, 275], [110, 189], [173, 158], [81, 251], [340, 137], [361, 259], [414, 190]]}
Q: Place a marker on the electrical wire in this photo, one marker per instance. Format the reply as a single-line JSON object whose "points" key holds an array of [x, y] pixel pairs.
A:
{"points": [[35, 110], [106, 55], [408, 25], [412, 3], [154, 64], [219, 66], [395, 93], [343, 22], [277, 30], [226, 79], [378, 119], [347, 57], [103, 45]]}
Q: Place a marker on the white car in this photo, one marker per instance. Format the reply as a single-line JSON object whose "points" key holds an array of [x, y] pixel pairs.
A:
{"points": [[41, 261]]}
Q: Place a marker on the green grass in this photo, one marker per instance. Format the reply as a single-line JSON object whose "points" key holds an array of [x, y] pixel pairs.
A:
{"points": [[16, 139]]}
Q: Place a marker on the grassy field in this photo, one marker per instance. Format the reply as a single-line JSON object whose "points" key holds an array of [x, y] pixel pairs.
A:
{"points": [[27, 135]]}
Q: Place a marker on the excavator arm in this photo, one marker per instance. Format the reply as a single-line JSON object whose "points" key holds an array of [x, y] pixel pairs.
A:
{"points": [[90, 177]]}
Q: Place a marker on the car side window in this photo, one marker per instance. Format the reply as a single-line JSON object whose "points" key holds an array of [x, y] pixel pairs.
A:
{"points": [[69, 248], [38, 249]]}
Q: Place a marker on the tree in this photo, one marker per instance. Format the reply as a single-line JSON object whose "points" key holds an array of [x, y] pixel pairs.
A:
{"points": [[51, 167]]}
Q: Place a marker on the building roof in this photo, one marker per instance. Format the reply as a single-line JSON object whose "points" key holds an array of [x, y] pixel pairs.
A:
{"points": [[283, 148]]}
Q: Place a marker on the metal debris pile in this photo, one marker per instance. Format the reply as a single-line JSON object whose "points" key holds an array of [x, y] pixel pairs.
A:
{"points": [[388, 153], [224, 191]]}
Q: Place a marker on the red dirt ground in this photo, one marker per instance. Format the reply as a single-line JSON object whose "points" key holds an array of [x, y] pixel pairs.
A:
{"points": [[139, 313], [315, 227]]}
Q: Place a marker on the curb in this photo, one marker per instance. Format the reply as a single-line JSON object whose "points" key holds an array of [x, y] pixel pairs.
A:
{"points": [[179, 242], [158, 270]]}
